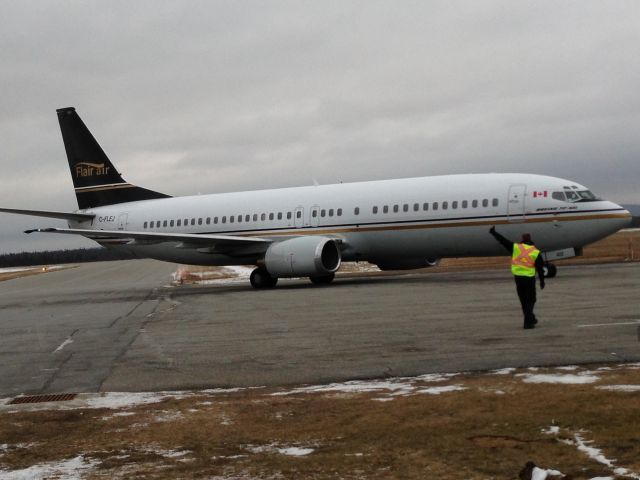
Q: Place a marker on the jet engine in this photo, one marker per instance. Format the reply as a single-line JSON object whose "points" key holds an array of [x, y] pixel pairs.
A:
{"points": [[303, 257], [406, 263]]}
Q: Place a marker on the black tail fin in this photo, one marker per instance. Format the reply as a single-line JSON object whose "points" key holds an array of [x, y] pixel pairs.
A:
{"points": [[96, 181]]}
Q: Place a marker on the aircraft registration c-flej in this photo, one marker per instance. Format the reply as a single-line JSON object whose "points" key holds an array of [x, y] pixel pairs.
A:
{"points": [[309, 231]]}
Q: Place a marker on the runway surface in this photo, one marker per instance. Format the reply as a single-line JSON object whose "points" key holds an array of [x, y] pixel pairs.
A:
{"points": [[118, 326]]}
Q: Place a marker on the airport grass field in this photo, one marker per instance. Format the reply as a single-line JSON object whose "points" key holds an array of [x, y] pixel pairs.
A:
{"points": [[572, 422]]}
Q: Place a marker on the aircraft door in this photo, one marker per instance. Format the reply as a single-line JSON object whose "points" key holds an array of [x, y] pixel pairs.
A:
{"points": [[298, 217], [122, 221], [515, 205], [314, 216]]}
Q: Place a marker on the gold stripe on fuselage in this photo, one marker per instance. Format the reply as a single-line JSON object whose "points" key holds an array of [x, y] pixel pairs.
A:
{"points": [[317, 231]]}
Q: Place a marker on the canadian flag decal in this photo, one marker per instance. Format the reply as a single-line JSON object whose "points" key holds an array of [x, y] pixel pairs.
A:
{"points": [[537, 194]]}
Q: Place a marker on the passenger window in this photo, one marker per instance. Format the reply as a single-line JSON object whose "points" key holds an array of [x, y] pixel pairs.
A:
{"points": [[186, 222], [279, 215], [255, 217], [385, 209], [323, 212], [339, 212], [288, 215], [239, 218], [425, 206], [465, 204], [299, 214], [474, 204], [395, 208], [224, 219], [331, 212], [445, 205], [454, 204], [208, 221], [164, 224], [416, 207], [314, 213], [263, 217], [232, 219], [171, 223], [435, 205], [179, 223], [215, 219], [485, 203], [375, 209], [405, 207], [193, 221], [495, 202], [199, 221], [144, 225], [271, 216], [356, 211]]}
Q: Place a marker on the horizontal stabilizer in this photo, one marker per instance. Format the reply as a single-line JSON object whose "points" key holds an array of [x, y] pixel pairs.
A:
{"points": [[79, 217]]}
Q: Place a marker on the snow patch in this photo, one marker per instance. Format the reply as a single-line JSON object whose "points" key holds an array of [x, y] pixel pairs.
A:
{"points": [[71, 469], [291, 451], [619, 388], [567, 378], [394, 387], [439, 390], [503, 371], [115, 400]]}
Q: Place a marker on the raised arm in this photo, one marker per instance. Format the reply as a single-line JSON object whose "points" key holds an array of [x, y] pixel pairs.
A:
{"points": [[503, 241]]}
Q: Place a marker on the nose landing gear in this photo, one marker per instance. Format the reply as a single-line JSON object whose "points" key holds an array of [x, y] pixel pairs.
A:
{"points": [[550, 270]]}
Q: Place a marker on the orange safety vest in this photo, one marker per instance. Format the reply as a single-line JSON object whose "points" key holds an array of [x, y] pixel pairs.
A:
{"points": [[523, 260]]}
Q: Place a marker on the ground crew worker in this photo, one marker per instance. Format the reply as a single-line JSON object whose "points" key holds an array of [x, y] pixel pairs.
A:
{"points": [[525, 261]]}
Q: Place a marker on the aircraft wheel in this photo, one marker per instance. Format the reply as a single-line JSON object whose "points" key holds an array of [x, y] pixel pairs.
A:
{"points": [[260, 278], [550, 270], [323, 279]]}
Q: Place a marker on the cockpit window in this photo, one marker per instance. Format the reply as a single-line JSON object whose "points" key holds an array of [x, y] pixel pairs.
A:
{"points": [[571, 196], [587, 196], [574, 196]]}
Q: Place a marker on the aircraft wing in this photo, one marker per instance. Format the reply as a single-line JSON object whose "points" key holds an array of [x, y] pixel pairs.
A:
{"points": [[81, 217], [226, 244]]}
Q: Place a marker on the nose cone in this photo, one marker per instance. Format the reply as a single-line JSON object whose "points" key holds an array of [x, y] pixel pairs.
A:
{"points": [[621, 217]]}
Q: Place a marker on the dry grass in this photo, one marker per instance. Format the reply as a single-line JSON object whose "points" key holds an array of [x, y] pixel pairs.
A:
{"points": [[490, 430]]}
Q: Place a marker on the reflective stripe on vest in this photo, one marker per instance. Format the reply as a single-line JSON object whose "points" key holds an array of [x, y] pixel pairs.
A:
{"points": [[523, 260]]}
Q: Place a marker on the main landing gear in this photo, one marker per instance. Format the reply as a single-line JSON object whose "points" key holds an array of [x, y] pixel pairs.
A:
{"points": [[550, 270], [260, 278]]}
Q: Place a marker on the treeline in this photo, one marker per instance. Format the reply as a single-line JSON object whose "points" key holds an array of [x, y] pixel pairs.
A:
{"points": [[56, 257]]}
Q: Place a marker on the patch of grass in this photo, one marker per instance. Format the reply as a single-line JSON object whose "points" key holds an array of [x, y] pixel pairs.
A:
{"points": [[489, 430]]}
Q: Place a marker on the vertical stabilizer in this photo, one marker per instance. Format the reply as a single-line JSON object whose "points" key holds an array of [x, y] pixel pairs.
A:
{"points": [[96, 181]]}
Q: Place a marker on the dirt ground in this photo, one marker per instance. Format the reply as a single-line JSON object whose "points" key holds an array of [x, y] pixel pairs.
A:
{"points": [[580, 421]]}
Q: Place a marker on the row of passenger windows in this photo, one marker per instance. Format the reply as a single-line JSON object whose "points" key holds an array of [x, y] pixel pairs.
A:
{"points": [[455, 204], [223, 219]]}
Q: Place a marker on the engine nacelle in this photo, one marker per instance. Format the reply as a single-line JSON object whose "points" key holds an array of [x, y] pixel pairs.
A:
{"points": [[407, 263], [303, 257]]}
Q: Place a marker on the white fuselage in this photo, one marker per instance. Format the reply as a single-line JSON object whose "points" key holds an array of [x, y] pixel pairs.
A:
{"points": [[387, 221]]}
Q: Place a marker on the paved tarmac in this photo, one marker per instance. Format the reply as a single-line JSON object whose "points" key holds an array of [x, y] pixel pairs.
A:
{"points": [[118, 326]]}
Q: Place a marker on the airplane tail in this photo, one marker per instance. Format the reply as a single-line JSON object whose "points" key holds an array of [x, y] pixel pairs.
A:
{"points": [[96, 181]]}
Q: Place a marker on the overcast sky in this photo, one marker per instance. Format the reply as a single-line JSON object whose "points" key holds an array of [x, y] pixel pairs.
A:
{"points": [[217, 96]]}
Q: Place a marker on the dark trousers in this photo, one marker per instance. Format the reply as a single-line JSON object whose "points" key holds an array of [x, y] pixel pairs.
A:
{"points": [[526, 287]]}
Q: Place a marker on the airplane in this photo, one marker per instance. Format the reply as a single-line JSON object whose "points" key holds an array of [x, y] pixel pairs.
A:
{"points": [[398, 224]]}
